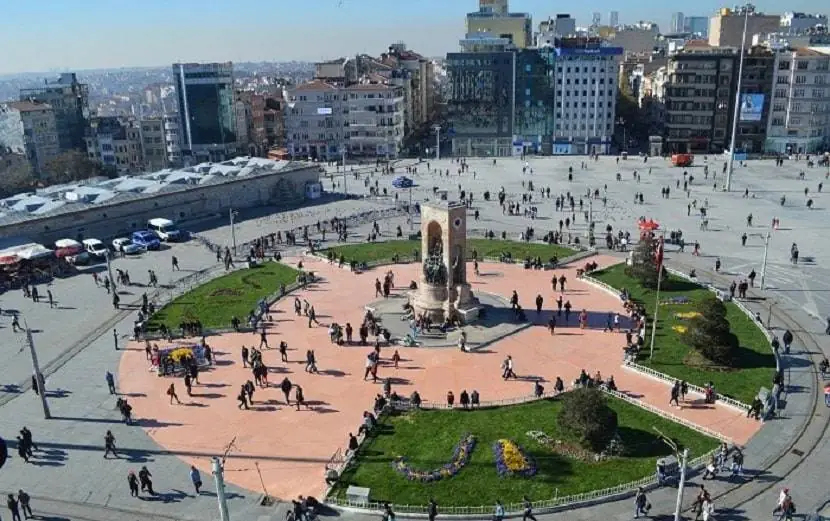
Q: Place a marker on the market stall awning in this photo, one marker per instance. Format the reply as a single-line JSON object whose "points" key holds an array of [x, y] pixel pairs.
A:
{"points": [[648, 225], [9, 260]]}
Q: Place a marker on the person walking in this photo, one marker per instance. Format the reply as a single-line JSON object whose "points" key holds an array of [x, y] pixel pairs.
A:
{"points": [[50, 298], [196, 479], [132, 481], [24, 499], [285, 387], [528, 509], [299, 397], [284, 351], [171, 392], [641, 504], [498, 513], [244, 357], [432, 509], [175, 262], [110, 382], [11, 502], [146, 483], [109, 445]]}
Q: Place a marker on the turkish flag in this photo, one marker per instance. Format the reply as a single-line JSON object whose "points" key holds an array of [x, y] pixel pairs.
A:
{"points": [[660, 253]]}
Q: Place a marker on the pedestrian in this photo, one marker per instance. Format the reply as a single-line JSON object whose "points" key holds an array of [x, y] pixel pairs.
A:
{"points": [[187, 383], [244, 356], [132, 481], [641, 504], [675, 394], [196, 479], [24, 499], [22, 449], [175, 262], [51, 299], [498, 513], [285, 387], [299, 397], [171, 392], [12, 504], [26, 434], [388, 513], [528, 510], [432, 509], [109, 445], [146, 483], [110, 382]]}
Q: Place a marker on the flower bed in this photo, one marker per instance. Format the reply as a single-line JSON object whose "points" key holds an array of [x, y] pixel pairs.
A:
{"points": [[460, 457], [511, 460]]}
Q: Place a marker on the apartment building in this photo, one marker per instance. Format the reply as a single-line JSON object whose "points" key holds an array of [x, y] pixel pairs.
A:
{"points": [[115, 143], [250, 123], [29, 128], [700, 94], [69, 100], [324, 120], [800, 117], [727, 25], [515, 27], [153, 146], [756, 96], [586, 96]]}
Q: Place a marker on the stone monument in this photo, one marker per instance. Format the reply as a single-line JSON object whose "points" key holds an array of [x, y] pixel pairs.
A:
{"points": [[443, 289]]}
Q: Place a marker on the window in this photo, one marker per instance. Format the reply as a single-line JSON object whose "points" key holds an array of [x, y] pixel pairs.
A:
{"points": [[777, 107], [803, 65], [795, 121], [782, 80], [796, 107], [783, 65], [800, 80], [798, 93]]}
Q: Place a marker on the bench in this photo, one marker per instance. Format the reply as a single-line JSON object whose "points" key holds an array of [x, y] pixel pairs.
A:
{"points": [[358, 495]]}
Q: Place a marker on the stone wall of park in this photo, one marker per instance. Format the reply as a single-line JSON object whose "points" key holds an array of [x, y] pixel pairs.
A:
{"points": [[192, 204]]}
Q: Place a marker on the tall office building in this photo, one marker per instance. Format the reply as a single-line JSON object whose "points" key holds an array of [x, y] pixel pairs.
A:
{"points": [[596, 19], [516, 27], [677, 22], [70, 101], [206, 111], [614, 19], [697, 25]]}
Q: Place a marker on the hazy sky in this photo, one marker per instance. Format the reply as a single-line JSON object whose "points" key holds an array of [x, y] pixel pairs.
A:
{"points": [[84, 34]]}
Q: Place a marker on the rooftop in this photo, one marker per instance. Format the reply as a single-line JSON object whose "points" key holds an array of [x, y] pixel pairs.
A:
{"points": [[29, 106], [74, 197]]}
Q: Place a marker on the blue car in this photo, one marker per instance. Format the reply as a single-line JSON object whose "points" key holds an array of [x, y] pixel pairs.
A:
{"points": [[147, 239], [402, 182]]}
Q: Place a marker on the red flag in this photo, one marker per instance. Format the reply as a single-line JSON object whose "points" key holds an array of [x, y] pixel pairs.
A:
{"points": [[660, 253]]}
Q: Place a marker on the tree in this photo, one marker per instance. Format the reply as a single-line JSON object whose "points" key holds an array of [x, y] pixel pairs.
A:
{"points": [[15, 177], [709, 332], [644, 264], [586, 417], [69, 166]]}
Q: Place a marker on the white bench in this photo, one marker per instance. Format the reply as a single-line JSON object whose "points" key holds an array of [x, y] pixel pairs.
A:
{"points": [[358, 494]]}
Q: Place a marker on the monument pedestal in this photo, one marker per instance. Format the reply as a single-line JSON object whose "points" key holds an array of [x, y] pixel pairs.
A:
{"points": [[465, 303], [432, 301]]}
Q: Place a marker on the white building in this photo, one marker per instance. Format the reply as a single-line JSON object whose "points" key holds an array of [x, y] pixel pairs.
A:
{"points": [[800, 23], [799, 120], [29, 128], [324, 120]]}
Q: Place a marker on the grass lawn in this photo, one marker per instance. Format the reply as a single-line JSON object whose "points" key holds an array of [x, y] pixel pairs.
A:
{"points": [[427, 440], [383, 251], [755, 364], [220, 299]]}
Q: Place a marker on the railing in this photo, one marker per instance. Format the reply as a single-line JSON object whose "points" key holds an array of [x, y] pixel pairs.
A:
{"points": [[549, 505]]}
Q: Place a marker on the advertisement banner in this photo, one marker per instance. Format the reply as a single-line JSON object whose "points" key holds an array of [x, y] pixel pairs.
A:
{"points": [[752, 107]]}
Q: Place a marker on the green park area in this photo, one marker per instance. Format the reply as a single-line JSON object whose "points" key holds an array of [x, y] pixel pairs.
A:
{"points": [[216, 302], [747, 364], [403, 249], [544, 458]]}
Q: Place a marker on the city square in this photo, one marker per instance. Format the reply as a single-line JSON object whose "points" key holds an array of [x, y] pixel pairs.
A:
{"points": [[286, 452]]}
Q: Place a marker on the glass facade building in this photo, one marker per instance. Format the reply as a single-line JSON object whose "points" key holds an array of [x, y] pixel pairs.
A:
{"points": [[206, 110], [534, 100]]}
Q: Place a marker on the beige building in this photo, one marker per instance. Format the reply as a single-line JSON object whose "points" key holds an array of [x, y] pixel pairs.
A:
{"points": [[516, 27], [727, 26], [637, 39], [29, 128], [115, 143], [153, 146], [799, 120]]}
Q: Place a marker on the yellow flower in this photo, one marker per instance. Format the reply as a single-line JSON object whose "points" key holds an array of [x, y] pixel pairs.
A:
{"points": [[178, 354], [680, 329]]}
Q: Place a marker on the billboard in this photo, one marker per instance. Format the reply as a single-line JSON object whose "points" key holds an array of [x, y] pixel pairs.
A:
{"points": [[752, 107]]}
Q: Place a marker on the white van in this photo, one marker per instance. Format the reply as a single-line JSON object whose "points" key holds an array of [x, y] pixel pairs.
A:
{"points": [[96, 248], [73, 251], [165, 229]]}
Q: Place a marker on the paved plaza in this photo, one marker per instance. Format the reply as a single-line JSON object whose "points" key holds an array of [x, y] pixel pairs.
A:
{"points": [[75, 344]]}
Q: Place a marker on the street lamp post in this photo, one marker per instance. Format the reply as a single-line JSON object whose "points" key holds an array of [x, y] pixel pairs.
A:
{"points": [[621, 122], [219, 478], [109, 270], [231, 214], [345, 177], [682, 458], [657, 298], [39, 380], [737, 114], [764, 264], [437, 129]]}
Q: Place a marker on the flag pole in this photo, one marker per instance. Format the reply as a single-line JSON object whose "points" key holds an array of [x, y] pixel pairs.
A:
{"points": [[657, 300]]}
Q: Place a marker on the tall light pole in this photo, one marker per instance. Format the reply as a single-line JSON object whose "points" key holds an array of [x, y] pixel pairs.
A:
{"points": [[109, 270], [737, 114], [621, 122], [764, 265], [231, 214], [657, 298], [219, 477], [345, 182], [682, 458], [437, 129], [39, 380]]}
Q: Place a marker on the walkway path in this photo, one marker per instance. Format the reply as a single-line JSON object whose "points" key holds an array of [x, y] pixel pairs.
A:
{"points": [[292, 446]]}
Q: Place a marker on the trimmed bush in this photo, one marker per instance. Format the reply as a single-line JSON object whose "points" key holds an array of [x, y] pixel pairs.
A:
{"points": [[643, 266], [709, 332], [586, 417]]}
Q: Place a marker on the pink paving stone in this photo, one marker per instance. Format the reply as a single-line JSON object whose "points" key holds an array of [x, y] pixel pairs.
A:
{"points": [[293, 446]]}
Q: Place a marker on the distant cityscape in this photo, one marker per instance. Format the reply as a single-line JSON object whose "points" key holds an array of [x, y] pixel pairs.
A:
{"points": [[559, 87]]}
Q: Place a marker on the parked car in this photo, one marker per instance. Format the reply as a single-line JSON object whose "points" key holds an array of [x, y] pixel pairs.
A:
{"points": [[71, 250], [402, 182], [127, 246], [147, 239], [96, 248], [165, 229]]}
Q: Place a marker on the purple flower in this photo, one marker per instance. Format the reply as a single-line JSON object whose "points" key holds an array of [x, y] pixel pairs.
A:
{"points": [[460, 457]]}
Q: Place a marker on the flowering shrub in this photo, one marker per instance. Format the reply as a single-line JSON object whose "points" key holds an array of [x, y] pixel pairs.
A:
{"points": [[511, 460], [180, 353], [460, 457]]}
